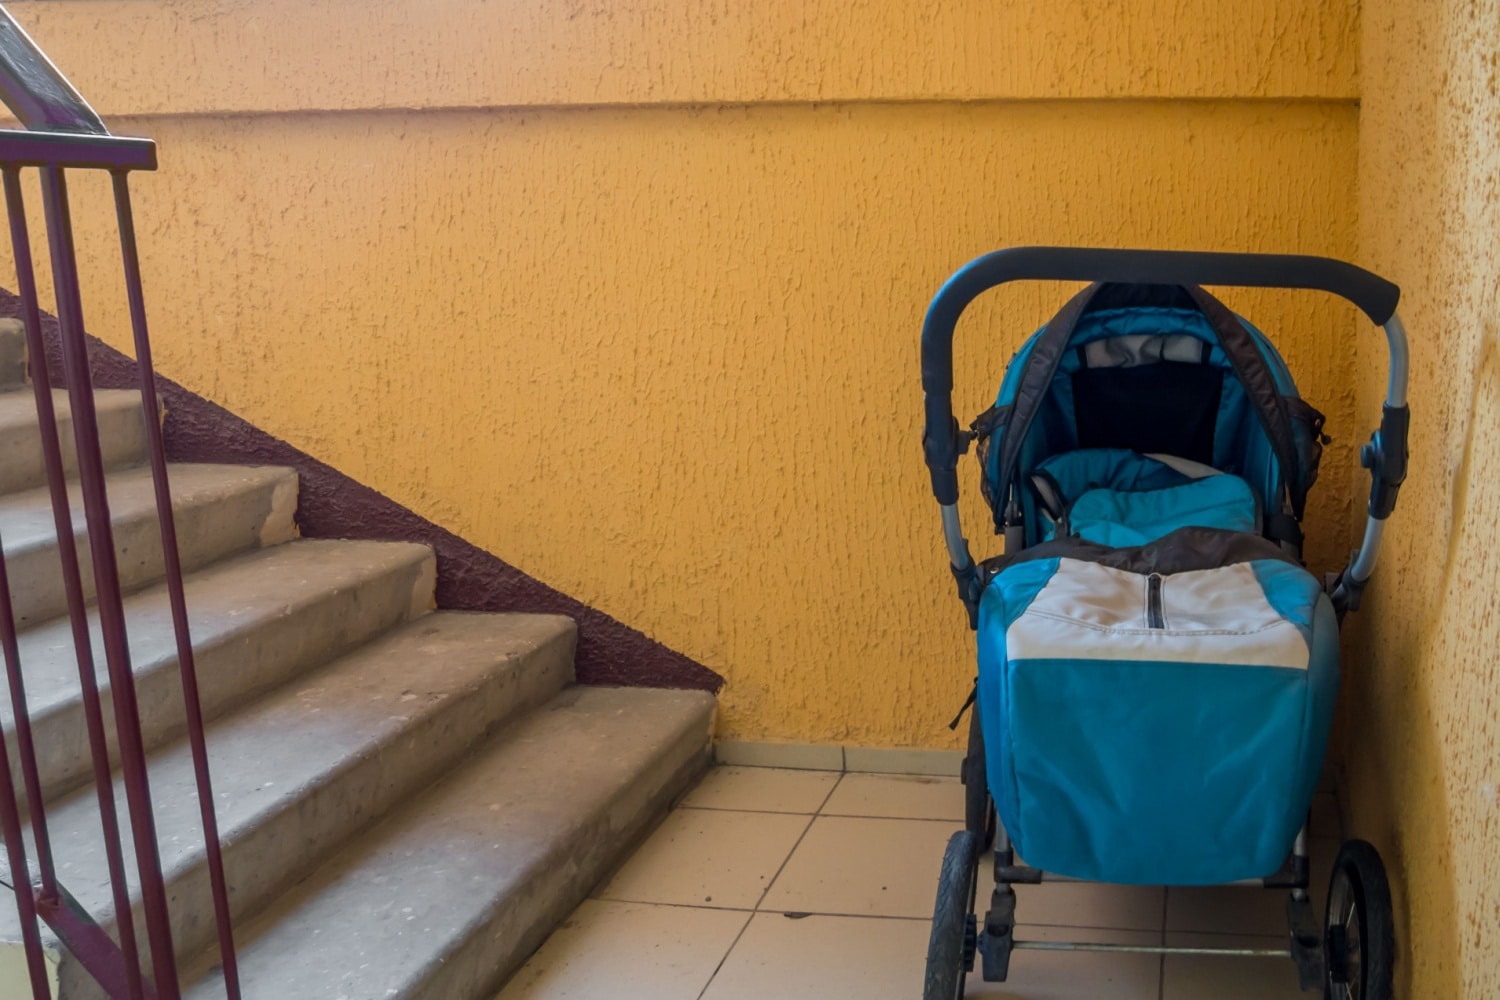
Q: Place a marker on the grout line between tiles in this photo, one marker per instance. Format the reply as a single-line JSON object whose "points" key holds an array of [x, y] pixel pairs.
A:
{"points": [[676, 906], [915, 819], [955, 823], [733, 944], [817, 810], [829, 797], [782, 867], [727, 952], [759, 812], [928, 920], [1161, 938]]}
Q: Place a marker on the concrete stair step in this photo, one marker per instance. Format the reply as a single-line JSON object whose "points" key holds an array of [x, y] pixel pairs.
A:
{"points": [[122, 435], [13, 370], [301, 771], [220, 510], [448, 896], [256, 620]]}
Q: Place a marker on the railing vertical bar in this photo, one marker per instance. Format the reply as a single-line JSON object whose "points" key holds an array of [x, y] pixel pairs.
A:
{"points": [[107, 581], [93, 710], [187, 667], [20, 876], [25, 746]]}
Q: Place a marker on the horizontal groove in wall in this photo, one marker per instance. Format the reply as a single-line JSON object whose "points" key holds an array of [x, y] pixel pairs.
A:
{"points": [[1145, 103]]}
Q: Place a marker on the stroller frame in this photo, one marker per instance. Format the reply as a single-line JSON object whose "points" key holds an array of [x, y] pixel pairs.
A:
{"points": [[1348, 952]]}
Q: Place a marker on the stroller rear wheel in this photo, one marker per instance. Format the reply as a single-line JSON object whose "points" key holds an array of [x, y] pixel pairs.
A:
{"points": [[950, 951], [1358, 932]]}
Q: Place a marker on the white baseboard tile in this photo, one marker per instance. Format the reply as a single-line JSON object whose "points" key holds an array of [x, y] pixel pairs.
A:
{"points": [[826, 757], [797, 756], [895, 760]]}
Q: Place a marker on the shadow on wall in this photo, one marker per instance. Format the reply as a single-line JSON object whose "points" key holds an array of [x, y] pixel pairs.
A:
{"points": [[331, 505]]}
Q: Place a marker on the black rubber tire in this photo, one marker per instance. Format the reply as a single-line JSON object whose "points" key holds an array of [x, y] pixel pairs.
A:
{"points": [[947, 961], [979, 809], [1360, 894]]}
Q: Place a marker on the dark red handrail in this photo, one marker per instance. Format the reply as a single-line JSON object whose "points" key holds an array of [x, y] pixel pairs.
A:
{"points": [[62, 133]]}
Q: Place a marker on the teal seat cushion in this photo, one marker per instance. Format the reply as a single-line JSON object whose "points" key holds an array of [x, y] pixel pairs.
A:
{"points": [[1123, 518], [1122, 498]]}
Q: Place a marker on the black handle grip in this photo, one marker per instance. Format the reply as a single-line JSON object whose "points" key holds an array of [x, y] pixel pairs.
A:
{"points": [[1375, 296], [1386, 457]]}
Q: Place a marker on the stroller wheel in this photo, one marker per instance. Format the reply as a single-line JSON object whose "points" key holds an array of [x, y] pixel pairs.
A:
{"points": [[1358, 932], [950, 951], [979, 810]]}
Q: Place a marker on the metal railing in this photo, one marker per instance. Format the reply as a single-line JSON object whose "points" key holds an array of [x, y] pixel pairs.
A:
{"points": [[61, 133]]}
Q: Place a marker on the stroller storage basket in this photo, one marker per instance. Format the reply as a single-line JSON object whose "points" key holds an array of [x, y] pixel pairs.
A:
{"points": [[1157, 715]]}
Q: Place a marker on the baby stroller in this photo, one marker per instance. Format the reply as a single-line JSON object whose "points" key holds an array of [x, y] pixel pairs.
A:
{"points": [[1157, 670]]}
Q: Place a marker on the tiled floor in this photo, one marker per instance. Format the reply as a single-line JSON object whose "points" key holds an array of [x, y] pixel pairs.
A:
{"points": [[813, 884]]}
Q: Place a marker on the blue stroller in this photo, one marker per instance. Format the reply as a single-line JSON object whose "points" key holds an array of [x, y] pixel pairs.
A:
{"points": [[1157, 669]]}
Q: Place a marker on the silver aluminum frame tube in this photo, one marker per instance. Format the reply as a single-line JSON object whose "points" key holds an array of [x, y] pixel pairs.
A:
{"points": [[1400, 352], [953, 537], [1151, 949], [1395, 398]]}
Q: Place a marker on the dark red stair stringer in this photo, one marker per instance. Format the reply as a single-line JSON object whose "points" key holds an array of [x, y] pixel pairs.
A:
{"points": [[332, 505]]}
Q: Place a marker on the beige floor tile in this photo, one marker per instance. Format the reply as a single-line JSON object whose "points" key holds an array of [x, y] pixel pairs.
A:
{"points": [[824, 958], [1196, 977], [863, 867], [762, 789], [889, 868], [897, 797], [1080, 904], [1230, 910], [628, 951], [1077, 975], [705, 857], [863, 958]]}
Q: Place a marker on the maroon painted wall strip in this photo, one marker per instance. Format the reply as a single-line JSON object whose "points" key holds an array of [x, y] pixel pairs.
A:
{"points": [[331, 505]]}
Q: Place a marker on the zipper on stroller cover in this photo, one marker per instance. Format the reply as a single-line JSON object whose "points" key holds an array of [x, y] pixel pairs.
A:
{"points": [[1155, 616]]}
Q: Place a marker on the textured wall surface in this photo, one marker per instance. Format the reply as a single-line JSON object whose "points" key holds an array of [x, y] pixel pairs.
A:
{"points": [[1423, 743], [177, 56], [664, 358]]}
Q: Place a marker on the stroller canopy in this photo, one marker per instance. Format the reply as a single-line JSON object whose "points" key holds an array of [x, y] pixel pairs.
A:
{"points": [[1153, 369]]}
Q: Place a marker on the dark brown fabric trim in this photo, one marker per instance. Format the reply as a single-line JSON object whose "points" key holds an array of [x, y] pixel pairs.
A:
{"points": [[332, 505], [1254, 373], [1182, 551], [1036, 383]]}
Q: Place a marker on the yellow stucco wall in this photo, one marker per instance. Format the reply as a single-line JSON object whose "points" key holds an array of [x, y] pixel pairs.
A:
{"points": [[1423, 736], [633, 302]]}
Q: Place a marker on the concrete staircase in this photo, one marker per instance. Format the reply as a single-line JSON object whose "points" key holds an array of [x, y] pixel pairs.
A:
{"points": [[409, 800]]}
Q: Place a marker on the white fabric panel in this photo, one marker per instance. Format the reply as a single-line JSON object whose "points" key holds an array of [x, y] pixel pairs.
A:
{"points": [[1216, 616], [1186, 466], [1142, 349]]}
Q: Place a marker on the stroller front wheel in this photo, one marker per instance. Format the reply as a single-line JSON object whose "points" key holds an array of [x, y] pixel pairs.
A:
{"points": [[950, 950], [1359, 942]]}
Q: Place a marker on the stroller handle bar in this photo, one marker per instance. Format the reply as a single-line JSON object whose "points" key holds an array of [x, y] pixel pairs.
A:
{"points": [[1385, 455]]}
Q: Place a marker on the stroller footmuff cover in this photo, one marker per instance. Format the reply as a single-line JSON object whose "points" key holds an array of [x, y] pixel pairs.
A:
{"points": [[1157, 672]]}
